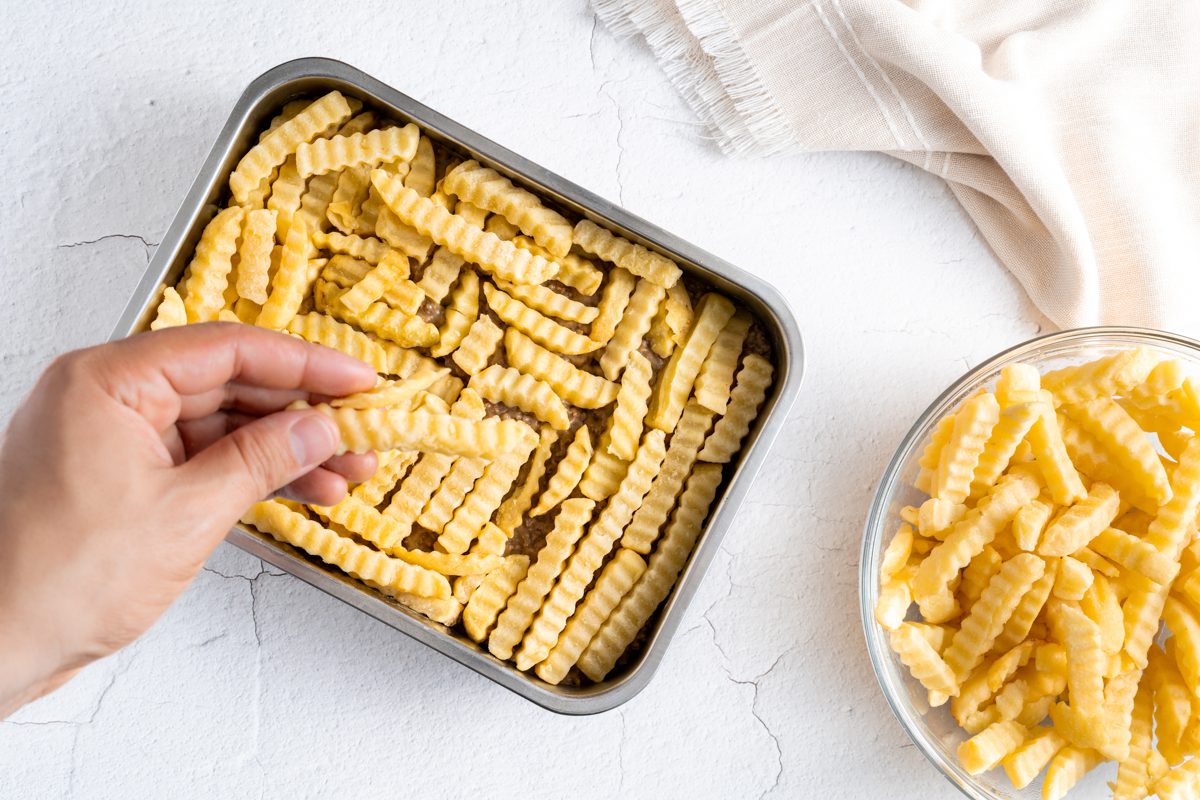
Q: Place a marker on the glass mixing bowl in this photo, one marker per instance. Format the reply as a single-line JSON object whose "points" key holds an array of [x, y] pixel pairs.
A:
{"points": [[934, 731]]}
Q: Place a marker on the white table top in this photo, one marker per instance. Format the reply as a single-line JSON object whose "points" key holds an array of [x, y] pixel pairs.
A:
{"points": [[255, 684]]}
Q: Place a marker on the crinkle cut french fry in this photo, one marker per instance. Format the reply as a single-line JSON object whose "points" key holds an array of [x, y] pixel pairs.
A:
{"points": [[1112, 426], [496, 256], [549, 302], [895, 555], [679, 375], [1172, 705], [513, 509], [1081, 523], [1185, 626], [986, 749], [359, 149], [536, 325], [632, 329], [668, 560], [422, 173], [211, 264], [568, 472], [400, 236], [968, 537], [679, 314], [489, 599], [454, 487], [626, 255], [374, 489], [1181, 783], [1112, 375], [747, 397], [171, 312], [1085, 658], [575, 271], [613, 300], [1023, 764], [516, 389], [1028, 524], [532, 590], [486, 188], [545, 630], [715, 381], [406, 330], [362, 562], [576, 386], [615, 581], [1073, 580], [604, 474], [286, 191], [1019, 623], [1133, 773], [659, 335], [478, 346], [460, 314], [385, 429], [1067, 768], [1011, 429], [923, 661], [1101, 605], [932, 453], [366, 248], [1007, 665], [973, 426], [630, 412], [388, 277], [978, 574], [483, 500], [345, 205], [254, 255], [895, 598], [440, 274], [290, 283], [447, 611], [320, 117]]}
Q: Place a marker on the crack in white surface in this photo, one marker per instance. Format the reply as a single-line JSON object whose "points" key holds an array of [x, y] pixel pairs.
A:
{"points": [[147, 245], [618, 170], [621, 755], [753, 683]]}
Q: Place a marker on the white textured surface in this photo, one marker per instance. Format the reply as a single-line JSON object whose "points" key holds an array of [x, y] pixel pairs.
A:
{"points": [[255, 684]]}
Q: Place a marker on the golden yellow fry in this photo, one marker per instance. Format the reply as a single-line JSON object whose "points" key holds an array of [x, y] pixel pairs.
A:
{"points": [[1010, 431], [501, 227], [923, 661], [1023, 764], [1113, 375], [386, 429], [1017, 628], [1081, 523], [359, 149], [366, 248], [314, 205], [389, 281], [614, 583], [668, 561], [327, 331], [631, 407], [1133, 773], [575, 386], [747, 397], [496, 256], [643, 530], [1066, 769], [486, 188], [537, 326], [895, 555], [290, 283], [171, 311], [986, 619], [1185, 627], [966, 540], [1085, 658], [483, 500], [488, 600], [1101, 605], [355, 559], [449, 495], [374, 489], [545, 630], [478, 346], [388, 394], [978, 574], [605, 472], [575, 271], [319, 118], [936, 516], [447, 611], [532, 590], [1073, 580], [549, 302], [613, 302], [1114, 429], [254, 254], [406, 330], [1172, 705], [518, 390], [895, 598], [568, 473], [632, 329], [626, 255], [345, 205], [422, 174], [933, 452], [512, 510], [986, 749], [679, 375], [1005, 666], [973, 426], [461, 314], [1181, 783], [1028, 524], [208, 272], [659, 335]]}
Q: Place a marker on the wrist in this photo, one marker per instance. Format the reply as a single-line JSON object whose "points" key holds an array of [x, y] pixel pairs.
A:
{"points": [[26, 669]]}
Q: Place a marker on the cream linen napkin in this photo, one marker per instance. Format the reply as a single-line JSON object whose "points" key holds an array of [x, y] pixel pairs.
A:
{"points": [[1068, 129]]}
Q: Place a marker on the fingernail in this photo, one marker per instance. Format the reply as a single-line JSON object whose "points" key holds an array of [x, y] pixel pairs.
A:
{"points": [[313, 439]]}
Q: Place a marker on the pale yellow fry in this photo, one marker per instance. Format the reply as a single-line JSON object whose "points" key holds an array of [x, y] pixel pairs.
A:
{"points": [[632, 329], [567, 474], [977, 575], [1135, 554], [390, 429], [327, 331], [496, 256], [488, 600], [1172, 705], [314, 204], [679, 314], [501, 227], [626, 255], [1023, 764], [575, 386], [1028, 524], [748, 394], [289, 110], [1006, 665], [659, 335], [478, 346], [319, 118], [391, 393], [679, 375], [254, 255], [374, 489], [518, 390], [681, 457], [987, 748], [536, 325], [685, 527], [406, 330], [440, 274], [923, 661], [615, 581], [360, 149], [1102, 606], [613, 300], [513, 509], [400, 236], [966, 540], [936, 516], [355, 559], [973, 426], [460, 314], [286, 191], [1113, 375], [1181, 783], [532, 590], [545, 630], [1081, 523], [1099, 465], [631, 407], [366, 248], [486, 188], [1185, 627], [345, 204], [550, 302], [1066, 769], [932, 453], [1020, 383], [895, 598], [895, 555], [290, 284], [208, 272], [402, 361], [458, 481], [1073, 580], [575, 271], [1011, 429], [422, 173], [603, 475], [986, 619], [1085, 658], [715, 381], [1115, 430], [171, 311], [1019, 623], [1133, 773], [447, 611], [483, 500], [391, 273]]}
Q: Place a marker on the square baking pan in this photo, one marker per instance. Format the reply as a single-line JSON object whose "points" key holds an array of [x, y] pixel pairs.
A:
{"points": [[316, 76]]}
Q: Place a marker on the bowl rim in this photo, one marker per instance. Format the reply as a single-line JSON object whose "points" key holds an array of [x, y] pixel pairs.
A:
{"points": [[877, 649]]}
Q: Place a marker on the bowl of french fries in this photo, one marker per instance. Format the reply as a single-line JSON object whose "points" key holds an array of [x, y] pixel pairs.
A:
{"points": [[1030, 579]]}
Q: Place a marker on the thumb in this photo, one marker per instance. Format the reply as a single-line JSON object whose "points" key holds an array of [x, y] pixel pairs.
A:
{"points": [[250, 463]]}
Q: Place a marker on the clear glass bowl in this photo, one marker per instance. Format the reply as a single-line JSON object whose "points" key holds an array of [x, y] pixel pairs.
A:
{"points": [[934, 731]]}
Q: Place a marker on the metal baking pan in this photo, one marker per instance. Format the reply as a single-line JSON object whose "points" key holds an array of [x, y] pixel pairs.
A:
{"points": [[314, 76]]}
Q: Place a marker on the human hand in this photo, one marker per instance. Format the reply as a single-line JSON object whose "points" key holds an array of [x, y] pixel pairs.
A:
{"points": [[127, 465]]}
